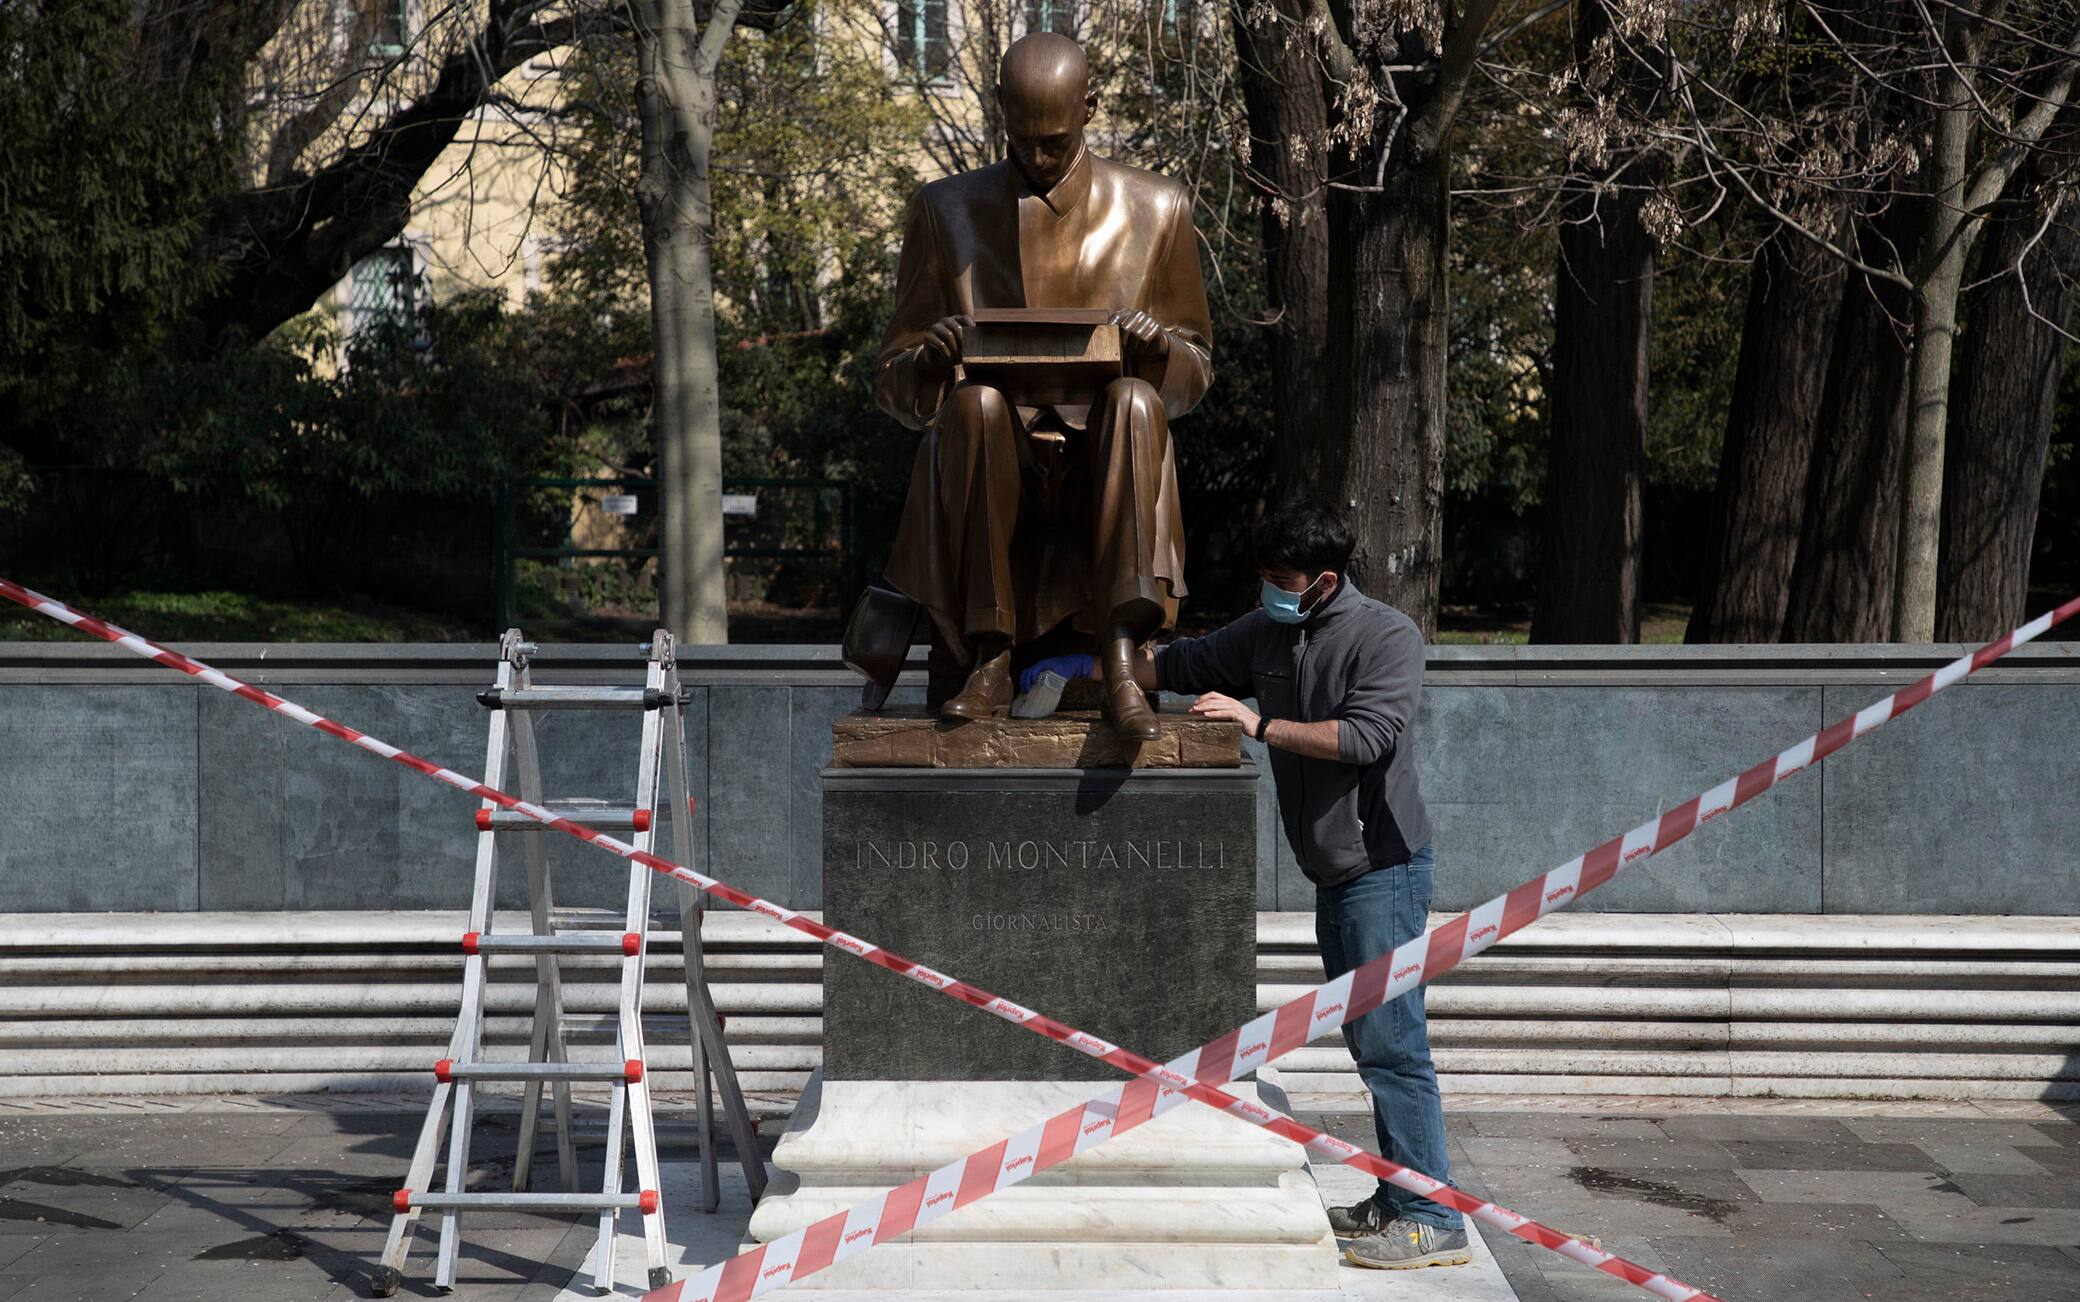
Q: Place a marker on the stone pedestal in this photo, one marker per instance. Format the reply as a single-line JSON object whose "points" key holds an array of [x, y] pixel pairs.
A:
{"points": [[1190, 1200], [1120, 900]]}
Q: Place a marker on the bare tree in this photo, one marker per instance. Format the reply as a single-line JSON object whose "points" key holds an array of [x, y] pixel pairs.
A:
{"points": [[1842, 579], [1394, 76], [1788, 331], [1603, 309], [1164, 75], [1951, 99], [2016, 336], [1287, 159], [342, 128], [1794, 298], [1976, 151], [677, 58]]}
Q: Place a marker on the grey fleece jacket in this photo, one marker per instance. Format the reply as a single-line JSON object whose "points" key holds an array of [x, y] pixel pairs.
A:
{"points": [[1357, 661]]}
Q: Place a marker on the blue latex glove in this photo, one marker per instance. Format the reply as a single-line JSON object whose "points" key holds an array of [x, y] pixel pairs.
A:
{"points": [[1071, 667]]}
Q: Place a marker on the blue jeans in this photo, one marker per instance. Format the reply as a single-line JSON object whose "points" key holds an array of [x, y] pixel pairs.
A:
{"points": [[1358, 922]]}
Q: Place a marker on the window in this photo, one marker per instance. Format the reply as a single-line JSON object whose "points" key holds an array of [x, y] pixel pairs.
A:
{"points": [[384, 290], [387, 36], [1051, 16], [921, 43]]}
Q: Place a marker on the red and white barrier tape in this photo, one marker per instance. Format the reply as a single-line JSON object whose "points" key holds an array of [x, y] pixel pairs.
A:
{"points": [[1300, 1021], [1270, 1035], [980, 1174]]}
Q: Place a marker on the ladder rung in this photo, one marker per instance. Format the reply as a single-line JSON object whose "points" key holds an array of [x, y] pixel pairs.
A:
{"points": [[579, 942], [604, 818], [447, 1069], [577, 698], [403, 1200]]}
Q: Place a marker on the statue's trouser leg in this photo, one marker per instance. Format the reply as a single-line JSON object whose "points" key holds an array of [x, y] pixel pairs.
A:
{"points": [[953, 548], [1139, 530]]}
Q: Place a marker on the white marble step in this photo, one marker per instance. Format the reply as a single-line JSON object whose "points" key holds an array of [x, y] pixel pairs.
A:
{"points": [[699, 1241]]}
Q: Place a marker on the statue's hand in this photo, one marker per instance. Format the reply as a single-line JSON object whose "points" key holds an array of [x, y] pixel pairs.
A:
{"points": [[1142, 333], [942, 341]]}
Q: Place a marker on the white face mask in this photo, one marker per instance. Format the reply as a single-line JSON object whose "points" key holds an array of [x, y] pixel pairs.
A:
{"points": [[1287, 607]]}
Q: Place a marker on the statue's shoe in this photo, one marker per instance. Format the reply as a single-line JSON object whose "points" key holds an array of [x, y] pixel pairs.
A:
{"points": [[1126, 708], [986, 694]]}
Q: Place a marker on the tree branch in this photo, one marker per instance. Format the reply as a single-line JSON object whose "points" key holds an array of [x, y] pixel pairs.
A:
{"points": [[1707, 154], [285, 245], [1493, 43], [715, 34], [1336, 52], [1462, 45], [303, 128], [2000, 168]]}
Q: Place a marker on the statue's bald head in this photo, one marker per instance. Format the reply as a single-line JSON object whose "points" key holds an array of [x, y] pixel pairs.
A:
{"points": [[1044, 65], [1043, 86]]}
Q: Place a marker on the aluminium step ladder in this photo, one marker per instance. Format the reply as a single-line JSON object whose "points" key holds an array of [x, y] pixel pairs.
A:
{"points": [[513, 699]]}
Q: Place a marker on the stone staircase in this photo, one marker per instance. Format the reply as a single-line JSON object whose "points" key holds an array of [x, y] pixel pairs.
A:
{"points": [[1704, 1005]]}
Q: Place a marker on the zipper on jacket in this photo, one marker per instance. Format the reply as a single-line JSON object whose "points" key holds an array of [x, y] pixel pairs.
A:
{"points": [[1299, 683], [1299, 716]]}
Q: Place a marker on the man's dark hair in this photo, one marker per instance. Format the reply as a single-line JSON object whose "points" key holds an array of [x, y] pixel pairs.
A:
{"points": [[1304, 534]]}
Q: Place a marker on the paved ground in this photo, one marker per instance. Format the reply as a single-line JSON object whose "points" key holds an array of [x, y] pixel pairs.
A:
{"points": [[280, 1203], [1786, 1204]]}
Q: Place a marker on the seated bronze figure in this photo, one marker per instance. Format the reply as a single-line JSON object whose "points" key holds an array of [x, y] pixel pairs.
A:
{"points": [[1043, 508]]}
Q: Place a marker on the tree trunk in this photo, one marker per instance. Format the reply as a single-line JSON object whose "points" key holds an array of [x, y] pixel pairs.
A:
{"points": [[1794, 297], [1288, 121], [2000, 430], [677, 98], [1382, 452], [1589, 588], [1603, 308], [1939, 276], [1841, 582]]}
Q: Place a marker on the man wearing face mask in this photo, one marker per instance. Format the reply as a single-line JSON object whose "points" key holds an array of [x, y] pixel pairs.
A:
{"points": [[1337, 676]]}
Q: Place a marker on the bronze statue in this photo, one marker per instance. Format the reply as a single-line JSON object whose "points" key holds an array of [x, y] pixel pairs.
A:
{"points": [[1038, 508]]}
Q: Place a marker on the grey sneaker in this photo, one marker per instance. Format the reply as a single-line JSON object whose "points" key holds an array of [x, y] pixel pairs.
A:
{"points": [[1358, 1218], [1409, 1245]]}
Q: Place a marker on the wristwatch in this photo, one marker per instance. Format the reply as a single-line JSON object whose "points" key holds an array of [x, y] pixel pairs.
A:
{"points": [[1263, 722]]}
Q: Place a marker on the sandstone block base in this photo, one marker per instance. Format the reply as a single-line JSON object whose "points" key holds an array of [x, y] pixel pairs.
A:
{"points": [[1077, 740], [1191, 1200]]}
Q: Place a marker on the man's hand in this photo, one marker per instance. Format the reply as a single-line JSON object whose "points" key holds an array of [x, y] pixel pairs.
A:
{"points": [[942, 341], [1213, 705], [1141, 333]]}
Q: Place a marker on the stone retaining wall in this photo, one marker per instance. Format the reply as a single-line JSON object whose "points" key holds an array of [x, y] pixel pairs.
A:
{"points": [[126, 787]]}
